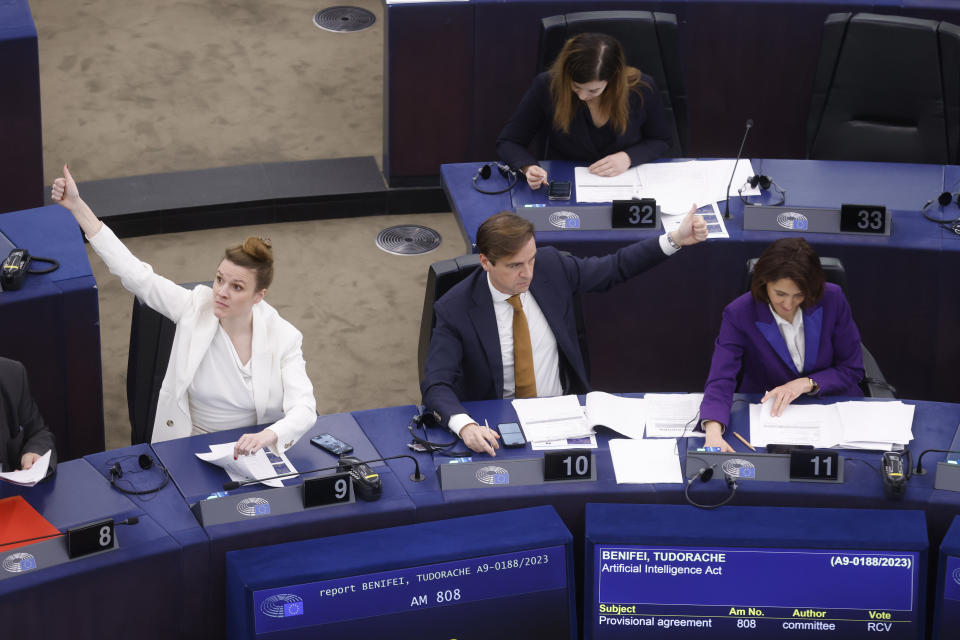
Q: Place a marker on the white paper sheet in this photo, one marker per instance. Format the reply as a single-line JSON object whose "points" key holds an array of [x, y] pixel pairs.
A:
{"points": [[551, 418], [645, 461], [813, 424], [588, 442], [676, 185], [889, 422], [251, 467], [672, 415], [31, 476], [623, 415], [594, 188]]}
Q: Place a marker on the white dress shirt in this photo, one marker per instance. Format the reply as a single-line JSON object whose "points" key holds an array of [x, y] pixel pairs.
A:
{"points": [[792, 333], [546, 358], [221, 392]]}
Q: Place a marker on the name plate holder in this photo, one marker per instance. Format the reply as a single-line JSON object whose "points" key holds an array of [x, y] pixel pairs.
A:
{"points": [[40, 555], [496, 474], [807, 220], [768, 467], [264, 503]]}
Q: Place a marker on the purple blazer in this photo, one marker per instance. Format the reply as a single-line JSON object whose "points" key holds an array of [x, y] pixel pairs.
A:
{"points": [[750, 341]]}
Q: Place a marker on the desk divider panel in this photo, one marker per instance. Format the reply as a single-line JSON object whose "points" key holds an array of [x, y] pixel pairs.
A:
{"points": [[946, 619], [465, 578], [670, 571]]}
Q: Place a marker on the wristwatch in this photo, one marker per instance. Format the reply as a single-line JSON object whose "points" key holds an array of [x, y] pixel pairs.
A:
{"points": [[673, 243], [814, 387]]}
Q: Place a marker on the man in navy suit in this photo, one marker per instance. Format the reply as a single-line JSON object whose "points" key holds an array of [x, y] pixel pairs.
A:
{"points": [[24, 437], [472, 354]]}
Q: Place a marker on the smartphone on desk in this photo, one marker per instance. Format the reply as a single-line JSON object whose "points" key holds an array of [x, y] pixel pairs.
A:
{"points": [[511, 435], [557, 190], [331, 444]]}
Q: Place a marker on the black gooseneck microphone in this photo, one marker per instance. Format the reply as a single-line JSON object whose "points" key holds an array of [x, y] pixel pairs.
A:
{"points": [[920, 470], [726, 210], [51, 536], [416, 476]]}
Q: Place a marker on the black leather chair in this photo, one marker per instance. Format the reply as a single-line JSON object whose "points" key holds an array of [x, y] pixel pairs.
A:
{"points": [[873, 385], [442, 276], [887, 89], [650, 43], [151, 338]]}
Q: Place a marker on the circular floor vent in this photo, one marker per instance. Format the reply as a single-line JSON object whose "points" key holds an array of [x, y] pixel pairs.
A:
{"points": [[344, 19], [408, 240]]}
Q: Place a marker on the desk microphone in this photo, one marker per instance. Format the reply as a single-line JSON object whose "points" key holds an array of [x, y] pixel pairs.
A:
{"points": [[746, 132], [920, 470], [51, 536], [416, 476]]}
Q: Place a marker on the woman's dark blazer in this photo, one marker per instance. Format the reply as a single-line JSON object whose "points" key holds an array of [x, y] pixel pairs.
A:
{"points": [[648, 134]]}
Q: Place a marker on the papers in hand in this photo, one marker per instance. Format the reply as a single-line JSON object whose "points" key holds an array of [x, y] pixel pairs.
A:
{"points": [[31, 476], [846, 425], [641, 461], [262, 464]]}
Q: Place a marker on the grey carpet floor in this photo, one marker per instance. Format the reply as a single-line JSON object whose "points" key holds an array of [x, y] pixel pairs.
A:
{"points": [[132, 87]]}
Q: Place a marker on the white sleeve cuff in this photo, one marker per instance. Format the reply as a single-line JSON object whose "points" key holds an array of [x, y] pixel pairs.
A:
{"points": [[666, 247], [459, 421]]}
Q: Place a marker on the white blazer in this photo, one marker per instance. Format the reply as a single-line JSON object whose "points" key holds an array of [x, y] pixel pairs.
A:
{"points": [[282, 392]]}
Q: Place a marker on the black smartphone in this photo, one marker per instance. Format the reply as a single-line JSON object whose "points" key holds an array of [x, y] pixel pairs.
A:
{"points": [[511, 434], [331, 443], [559, 191]]}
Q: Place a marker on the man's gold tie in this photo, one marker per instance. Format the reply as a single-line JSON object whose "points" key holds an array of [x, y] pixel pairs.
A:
{"points": [[526, 382]]}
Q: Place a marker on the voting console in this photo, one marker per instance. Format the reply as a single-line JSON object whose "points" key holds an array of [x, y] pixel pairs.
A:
{"points": [[463, 578], [669, 571]]}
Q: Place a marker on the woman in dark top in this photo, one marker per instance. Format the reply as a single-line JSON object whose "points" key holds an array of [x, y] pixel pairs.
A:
{"points": [[593, 108]]}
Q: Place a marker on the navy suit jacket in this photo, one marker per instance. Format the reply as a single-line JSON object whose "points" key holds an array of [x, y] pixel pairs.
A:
{"points": [[751, 342], [648, 135], [22, 429], [464, 361]]}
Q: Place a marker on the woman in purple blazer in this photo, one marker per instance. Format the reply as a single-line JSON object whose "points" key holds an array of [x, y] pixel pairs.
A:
{"points": [[791, 335]]}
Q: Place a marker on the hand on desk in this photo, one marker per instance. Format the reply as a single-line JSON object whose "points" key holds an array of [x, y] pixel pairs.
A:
{"points": [[480, 439], [714, 431], [536, 176], [612, 165], [253, 442], [692, 229], [27, 460], [783, 395]]}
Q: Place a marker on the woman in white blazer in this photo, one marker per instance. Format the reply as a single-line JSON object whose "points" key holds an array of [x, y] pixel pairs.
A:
{"points": [[235, 362]]}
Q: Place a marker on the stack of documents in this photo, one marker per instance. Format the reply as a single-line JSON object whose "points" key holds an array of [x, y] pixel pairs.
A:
{"points": [[561, 423], [880, 426], [262, 464], [31, 476]]}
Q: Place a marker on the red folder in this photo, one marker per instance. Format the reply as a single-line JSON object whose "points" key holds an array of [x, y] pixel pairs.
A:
{"points": [[20, 521]]}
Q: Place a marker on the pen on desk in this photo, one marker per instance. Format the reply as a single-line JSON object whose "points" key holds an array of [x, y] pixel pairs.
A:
{"points": [[485, 423], [534, 205], [744, 441]]}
